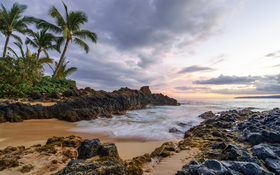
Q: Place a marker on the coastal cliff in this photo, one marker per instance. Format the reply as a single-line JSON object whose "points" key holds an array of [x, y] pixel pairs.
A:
{"points": [[85, 104]]}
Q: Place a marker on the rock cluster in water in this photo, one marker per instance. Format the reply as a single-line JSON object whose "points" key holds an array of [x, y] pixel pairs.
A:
{"points": [[235, 143], [86, 104]]}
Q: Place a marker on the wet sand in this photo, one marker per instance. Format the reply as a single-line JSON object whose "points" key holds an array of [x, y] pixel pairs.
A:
{"points": [[171, 165], [31, 132]]}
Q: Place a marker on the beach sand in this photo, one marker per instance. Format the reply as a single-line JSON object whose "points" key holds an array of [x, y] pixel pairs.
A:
{"points": [[31, 132]]}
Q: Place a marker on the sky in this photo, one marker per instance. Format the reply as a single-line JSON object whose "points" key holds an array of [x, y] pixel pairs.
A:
{"points": [[182, 48]]}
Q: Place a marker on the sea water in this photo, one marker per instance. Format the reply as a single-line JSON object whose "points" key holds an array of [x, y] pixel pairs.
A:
{"points": [[155, 122]]}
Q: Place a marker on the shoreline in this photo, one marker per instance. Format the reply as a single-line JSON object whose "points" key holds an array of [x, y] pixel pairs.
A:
{"points": [[37, 131], [232, 140]]}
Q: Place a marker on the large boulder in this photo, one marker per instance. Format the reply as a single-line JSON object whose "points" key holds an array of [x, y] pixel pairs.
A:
{"points": [[207, 115], [89, 148], [111, 166], [146, 90], [101, 159]]}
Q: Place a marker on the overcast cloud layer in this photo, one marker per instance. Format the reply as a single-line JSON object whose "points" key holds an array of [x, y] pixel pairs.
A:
{"points": [[137, 37], [133, 36]]}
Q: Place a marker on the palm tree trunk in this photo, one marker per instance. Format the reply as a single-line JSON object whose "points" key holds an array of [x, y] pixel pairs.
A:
{"points": [[61, 59], [6, 44], [38, 54]]}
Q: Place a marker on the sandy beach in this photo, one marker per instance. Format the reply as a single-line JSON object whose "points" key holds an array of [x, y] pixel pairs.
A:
{"points": [[31, 132]]}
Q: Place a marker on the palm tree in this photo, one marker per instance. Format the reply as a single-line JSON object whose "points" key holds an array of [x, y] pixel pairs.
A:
{"points": [[12, 20], [43, 41], [63, 71], [69, 26], [27, 54]]}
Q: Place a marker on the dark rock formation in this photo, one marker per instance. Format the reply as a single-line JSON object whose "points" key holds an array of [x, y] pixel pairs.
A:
{"points": [[207, 115], [96, 158], [175, 130], [89, 148], [235, 143], [86, 107]]}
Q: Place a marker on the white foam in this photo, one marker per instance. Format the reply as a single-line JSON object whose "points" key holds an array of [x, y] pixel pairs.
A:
{"points": [[152, 123]]}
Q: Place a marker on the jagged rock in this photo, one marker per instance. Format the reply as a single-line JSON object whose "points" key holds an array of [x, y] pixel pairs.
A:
{"points": [[103, 159], [87, 107], [231, 152], [108, 149], [209, 167], [207, 115], [111, 166], [53, 95], [240, 142], [273, 165], [263, 151], [220, 145], [36, 95], [255, 138], [146, 90], [246, 168], [164, 150], [175, 130], [89, 148], [217, 133], [214, 167]]}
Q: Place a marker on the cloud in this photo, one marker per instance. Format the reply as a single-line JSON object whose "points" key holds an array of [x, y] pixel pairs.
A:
{"points": [[194, 69], [275, 54], [219, 59], [191, 88], [223, 80], [134, 36], [267, 84]]}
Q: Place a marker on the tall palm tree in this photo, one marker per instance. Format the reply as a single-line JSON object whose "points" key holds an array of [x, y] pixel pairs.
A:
{"points": [[63, 71], [68, 25], [43, 41], [12, 20]]}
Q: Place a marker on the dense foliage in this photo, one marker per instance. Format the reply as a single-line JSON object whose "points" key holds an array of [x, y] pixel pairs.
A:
{"points": [[17, 76], [22, 72], [48, 85]]}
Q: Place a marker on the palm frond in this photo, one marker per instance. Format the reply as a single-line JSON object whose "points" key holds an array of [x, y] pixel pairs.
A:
{"points": [[58, 17], [82, 44], [44, 24], [31, 42], [69, 71], [76, 19], [12, 50], [45, 60], [86, 34], [66, 12], [17, 38], [19, 45]]}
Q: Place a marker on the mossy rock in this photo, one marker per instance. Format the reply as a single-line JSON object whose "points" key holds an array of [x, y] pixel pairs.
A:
{"points": [[135, 166], [164, 150], [26, 168], [69, 141], [6, 162]]}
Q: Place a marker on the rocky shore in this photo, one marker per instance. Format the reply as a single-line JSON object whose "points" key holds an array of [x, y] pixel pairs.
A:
{"points": [[84, 104], [235, 142]]}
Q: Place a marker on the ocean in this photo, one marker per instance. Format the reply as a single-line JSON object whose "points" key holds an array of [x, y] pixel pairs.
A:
{"points": [[155, 122]]}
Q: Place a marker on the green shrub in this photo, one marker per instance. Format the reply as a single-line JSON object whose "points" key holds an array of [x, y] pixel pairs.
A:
{"points": [[48, 85], [22, 76], [17, 76]]}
